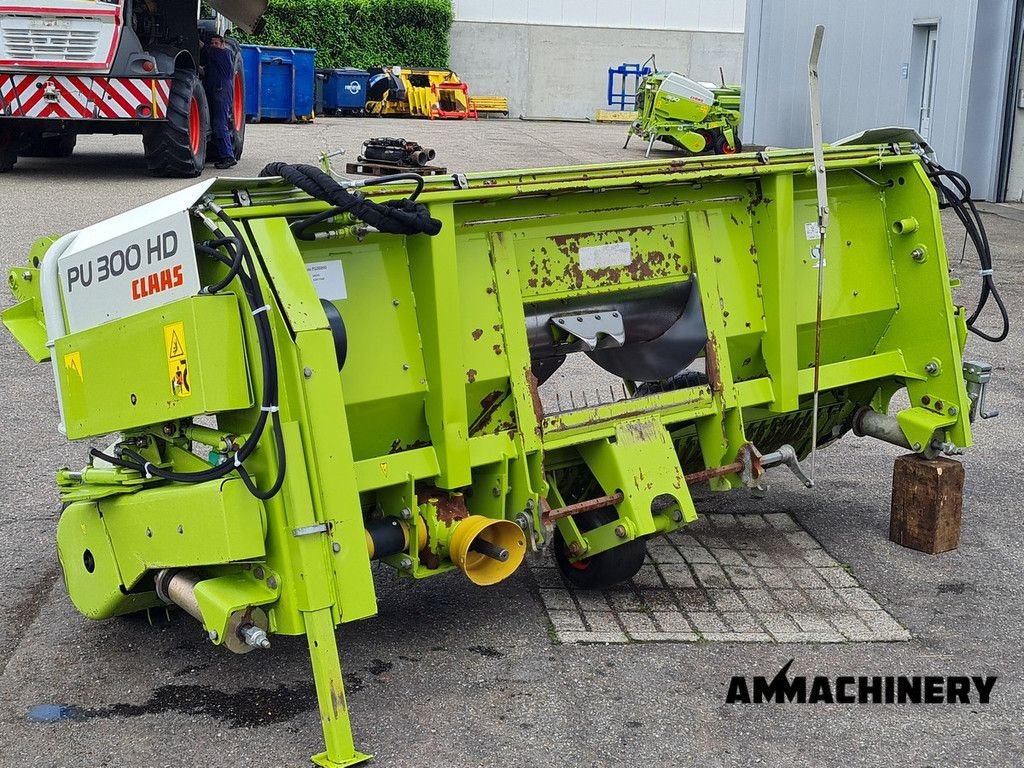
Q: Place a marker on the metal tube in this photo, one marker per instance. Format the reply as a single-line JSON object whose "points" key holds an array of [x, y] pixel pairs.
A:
{"points": [[179, 587], [489, 549], [53, 310], [881, 426]]}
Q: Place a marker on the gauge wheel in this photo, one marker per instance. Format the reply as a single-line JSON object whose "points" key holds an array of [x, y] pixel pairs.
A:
{"points": [[723, 147], [606, 568]]}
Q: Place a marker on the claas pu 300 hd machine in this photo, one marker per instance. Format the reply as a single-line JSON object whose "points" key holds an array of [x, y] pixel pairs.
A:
{"points": [[305, 377]]}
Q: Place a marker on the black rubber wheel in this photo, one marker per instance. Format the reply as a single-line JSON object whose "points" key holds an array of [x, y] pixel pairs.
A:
{"points": [[61, 145], [723, 147], [8, 147], [238, 105], [607, 568], [682, 380], [177, 147]]}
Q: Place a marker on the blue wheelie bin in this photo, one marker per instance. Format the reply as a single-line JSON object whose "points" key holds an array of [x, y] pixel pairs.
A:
{"points": [[279, 83], [343, 91]]}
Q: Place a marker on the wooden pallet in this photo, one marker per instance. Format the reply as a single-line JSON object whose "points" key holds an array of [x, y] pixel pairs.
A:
{"points": [[368, 168]]}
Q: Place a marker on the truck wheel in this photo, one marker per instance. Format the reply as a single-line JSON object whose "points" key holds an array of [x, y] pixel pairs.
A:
{"points": [[177, 147], [604, 569], [238, 104], [61, 145], [8, 147]]}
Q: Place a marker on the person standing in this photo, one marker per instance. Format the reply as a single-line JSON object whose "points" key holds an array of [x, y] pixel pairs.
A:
{"points": [[219, 83]]}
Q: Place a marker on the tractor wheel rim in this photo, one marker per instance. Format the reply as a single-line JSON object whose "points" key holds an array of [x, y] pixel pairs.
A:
{"points": [[194, 126], [237, 103]]}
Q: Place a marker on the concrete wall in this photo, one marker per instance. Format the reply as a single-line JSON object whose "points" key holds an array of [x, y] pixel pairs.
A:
{"points": [[562, 71], [704, 15], [871, 74]]}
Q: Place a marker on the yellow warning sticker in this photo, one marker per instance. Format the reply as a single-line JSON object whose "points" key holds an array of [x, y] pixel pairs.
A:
{"points": [[73, 362], [384, 468], [177, 359]]}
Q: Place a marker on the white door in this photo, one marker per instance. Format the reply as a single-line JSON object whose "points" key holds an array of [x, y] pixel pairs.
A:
{"points": [[928, 84]]}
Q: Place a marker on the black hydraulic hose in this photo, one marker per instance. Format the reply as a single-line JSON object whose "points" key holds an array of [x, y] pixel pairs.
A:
{"points": [[955, 191], [210, 249], [398, 217]]}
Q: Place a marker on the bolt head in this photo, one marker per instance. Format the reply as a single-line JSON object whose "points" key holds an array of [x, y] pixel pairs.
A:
{"points": [[620, 531], [917, 446], [953, 410], [406, 513], [932, 367], [575, 549], [212, 634], [405, 564], [307, 372], [259, 573], [272, 582], [26, 276], [336, 547], [677, 516]]}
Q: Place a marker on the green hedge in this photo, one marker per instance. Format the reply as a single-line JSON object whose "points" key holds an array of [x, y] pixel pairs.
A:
{"points": [[361, 33]]}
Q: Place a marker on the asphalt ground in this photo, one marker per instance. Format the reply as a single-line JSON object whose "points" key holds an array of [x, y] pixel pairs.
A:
{"points": [[453, 675]]}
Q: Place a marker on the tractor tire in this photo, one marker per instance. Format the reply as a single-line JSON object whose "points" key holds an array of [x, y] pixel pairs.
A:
{"points": [[8, 147], [177, 147], [723, 147], [606, 568], [238, 104], [61, 145]]}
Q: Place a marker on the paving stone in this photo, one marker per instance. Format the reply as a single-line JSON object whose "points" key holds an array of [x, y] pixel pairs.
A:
{"points": [[726, 600], [637, 622], [727, 579], [728, 556], [758, 558], [557, 600], [659, 599], [591, 600], [693, 599], [883, 626], [736, 637], [802, 540], [778, 623], [665, 637], [825, 600], [711, 576], [567, 620], [811, 622], [695, 554], [781, 521], [792, 599], [603, 622], [818, 557], [667, 556], [548, 577], [774, 577], [805, 577], [740, 622], [677, 576], [625, 601], [760, 600], [672, 621], [592, 637], [707, 622], [648, 577], [851, 627], [859, 599], [743, 577], [837, 577]]}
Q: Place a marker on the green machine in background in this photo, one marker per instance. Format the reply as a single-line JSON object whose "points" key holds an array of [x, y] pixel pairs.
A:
{"points": [[304, 379], [699, 118]]}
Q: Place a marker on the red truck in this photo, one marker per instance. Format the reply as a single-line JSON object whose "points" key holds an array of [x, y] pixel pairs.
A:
{"points": [[71, 67]]}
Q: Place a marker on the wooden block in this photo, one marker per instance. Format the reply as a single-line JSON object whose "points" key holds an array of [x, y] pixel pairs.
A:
{"points": [[927, 499]]}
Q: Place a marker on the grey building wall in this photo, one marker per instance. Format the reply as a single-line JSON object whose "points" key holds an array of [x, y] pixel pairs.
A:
{"points": [[562, 71], [871, 66]]}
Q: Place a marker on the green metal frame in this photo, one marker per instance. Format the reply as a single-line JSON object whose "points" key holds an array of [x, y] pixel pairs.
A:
{"points": [[436, 408]]}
